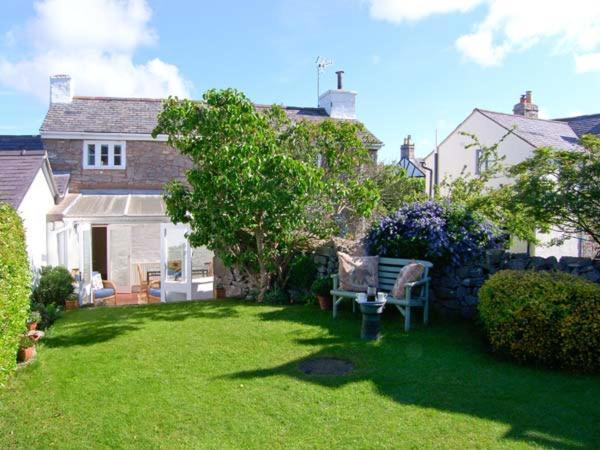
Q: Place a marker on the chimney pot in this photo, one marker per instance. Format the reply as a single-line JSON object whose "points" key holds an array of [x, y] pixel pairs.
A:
{"points": [[526, 107], [339, 74], [407, 150]]}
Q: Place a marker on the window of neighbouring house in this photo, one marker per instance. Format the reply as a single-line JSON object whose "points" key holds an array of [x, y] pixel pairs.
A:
{"points": [[104, 155]]}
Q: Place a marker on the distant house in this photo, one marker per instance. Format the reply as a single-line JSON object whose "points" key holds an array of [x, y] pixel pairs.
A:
{"points": [[28, 185], [408, 160], [527, 132]]}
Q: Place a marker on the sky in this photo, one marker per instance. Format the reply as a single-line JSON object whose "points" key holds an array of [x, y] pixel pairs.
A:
{"points": [[418, 66]]}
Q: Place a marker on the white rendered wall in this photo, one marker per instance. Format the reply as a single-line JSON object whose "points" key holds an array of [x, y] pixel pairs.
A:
{"points": [[33, 209], [455, 160]]}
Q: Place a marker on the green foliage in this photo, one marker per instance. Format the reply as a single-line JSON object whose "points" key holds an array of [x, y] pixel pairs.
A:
{"points": [[543, 317], [482, 194], [49, 314], [34, 317], [255, 193], [396, 188], [302, 272], [25, 342], [15, 279], [54, 287], [276, 296], [560, 189], [322, 286]]}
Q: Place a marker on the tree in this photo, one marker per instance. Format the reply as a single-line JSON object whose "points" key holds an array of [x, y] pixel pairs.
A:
{"points": [[561, 188], [255, 192], [396, 188]]}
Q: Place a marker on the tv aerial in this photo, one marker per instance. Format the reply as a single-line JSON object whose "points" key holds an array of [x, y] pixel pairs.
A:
{"points": [[321, 64]]}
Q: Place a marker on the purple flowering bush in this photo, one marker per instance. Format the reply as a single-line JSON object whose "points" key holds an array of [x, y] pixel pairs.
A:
{"points": [[438, 232]]}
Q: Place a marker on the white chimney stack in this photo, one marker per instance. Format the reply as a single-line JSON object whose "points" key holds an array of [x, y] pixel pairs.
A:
{"points": [[339, 103], [60, 89]]}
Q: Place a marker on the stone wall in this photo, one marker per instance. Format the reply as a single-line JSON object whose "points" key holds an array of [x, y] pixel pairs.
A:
{"points": [[454, 289], [148, 165]]}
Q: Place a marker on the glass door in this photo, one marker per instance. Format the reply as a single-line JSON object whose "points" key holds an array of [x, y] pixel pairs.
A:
{"points": [[119, 256], [84, 232], [175, 257]]}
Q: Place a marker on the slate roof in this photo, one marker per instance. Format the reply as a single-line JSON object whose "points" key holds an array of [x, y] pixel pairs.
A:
{"points": [[589, 124], [134, 115], [61, 180], [18, 169], [537, 132], [26, 142], [413, 168]]}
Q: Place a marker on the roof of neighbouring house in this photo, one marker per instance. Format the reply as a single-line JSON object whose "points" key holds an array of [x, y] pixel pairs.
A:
{"points": [[24, 142], [135, 116], [537, 132], [18, 169], [589, 124], [413, 167], [62, 182]]}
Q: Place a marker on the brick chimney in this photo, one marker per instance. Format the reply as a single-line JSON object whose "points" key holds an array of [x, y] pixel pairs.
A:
{"points": [[61, 89], [526, 107], [339, 103], [407, 149]]}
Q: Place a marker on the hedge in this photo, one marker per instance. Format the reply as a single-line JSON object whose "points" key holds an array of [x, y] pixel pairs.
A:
{"points": [[15, 286], [549, 318]]}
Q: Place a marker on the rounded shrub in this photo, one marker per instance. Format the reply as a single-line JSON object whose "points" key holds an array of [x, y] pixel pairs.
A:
{"points": [[15, 285], [54, 287], [302, 272], [549, 318], [438, 232]]}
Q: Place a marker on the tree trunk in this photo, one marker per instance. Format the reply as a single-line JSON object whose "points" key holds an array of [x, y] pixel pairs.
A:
{"points": [[264, 276]]}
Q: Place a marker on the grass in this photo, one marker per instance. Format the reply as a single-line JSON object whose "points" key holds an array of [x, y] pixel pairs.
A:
{"points": [[224, 375]]}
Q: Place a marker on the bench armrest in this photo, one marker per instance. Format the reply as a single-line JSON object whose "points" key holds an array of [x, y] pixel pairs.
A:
{"points": [[335, 279], [418, 283]]}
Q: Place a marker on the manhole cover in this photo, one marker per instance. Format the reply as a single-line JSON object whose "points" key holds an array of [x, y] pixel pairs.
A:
{"points": [[326, 366]]}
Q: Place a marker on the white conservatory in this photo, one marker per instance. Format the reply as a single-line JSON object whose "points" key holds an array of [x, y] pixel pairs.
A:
{"points": [[126, 238]]}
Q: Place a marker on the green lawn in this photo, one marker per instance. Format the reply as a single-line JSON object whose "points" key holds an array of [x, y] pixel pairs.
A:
{"points": [[224, 375]]}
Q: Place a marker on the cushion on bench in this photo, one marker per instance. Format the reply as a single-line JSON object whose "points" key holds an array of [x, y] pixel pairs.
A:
{"points": [[104, 292]]}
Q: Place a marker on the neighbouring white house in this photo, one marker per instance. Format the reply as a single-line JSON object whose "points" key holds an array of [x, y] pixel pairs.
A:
{"points": [[524, 131], [28, 185]]}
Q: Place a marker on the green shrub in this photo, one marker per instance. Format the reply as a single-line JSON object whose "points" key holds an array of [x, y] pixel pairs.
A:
{"points": [[303, 272], [54, 287], [543, 317], [49, 314], [322, 286], [276, 296], [15, 286]]}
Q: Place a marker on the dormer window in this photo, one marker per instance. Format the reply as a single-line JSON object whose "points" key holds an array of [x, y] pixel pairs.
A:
{"points": [[103, 155]]}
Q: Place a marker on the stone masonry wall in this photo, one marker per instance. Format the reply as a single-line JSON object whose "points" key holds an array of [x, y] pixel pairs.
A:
{"points": [[453, 291], [149, 164]]}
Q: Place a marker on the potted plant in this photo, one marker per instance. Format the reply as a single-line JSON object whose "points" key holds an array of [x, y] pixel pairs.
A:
{"points": [[321, 287], [220, 291], [26, 349], [32, 321], [72, 301]]}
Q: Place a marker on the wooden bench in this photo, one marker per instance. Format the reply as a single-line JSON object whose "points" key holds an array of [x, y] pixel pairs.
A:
{"points": [[388, 272]]}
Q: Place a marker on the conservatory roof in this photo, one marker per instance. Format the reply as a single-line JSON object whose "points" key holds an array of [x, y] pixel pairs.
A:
{"points": [[116, 206]]}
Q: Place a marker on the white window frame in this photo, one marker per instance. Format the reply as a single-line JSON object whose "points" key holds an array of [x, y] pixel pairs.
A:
{"points": [[111, 155]]}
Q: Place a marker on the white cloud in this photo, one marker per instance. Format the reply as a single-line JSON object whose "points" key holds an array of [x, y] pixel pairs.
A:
{"points": [[589, 62], [512, 26], [397, 11], [94, 41]]}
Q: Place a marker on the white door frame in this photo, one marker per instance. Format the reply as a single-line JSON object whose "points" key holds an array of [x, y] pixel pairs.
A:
{"points": [[184, 287], [85, 290], [109, 227]]}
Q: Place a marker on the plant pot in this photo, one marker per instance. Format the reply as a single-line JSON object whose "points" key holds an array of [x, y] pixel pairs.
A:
{"points": [[31, 326], [71, 305], [220, 292], [324, 302], [25, 354]]}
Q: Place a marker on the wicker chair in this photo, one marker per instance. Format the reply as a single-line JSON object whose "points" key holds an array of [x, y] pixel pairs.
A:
{"points": [[103, 296], [153, 291]]}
